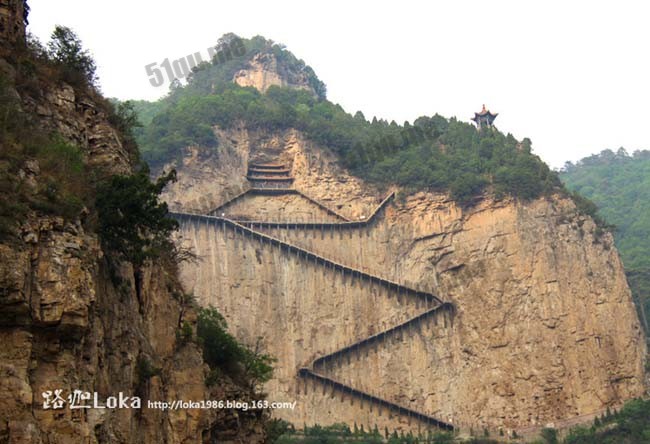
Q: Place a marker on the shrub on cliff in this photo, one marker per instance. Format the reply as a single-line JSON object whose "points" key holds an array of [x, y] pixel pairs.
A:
{"points": [[222, 351], [66, 51], [133, 222], [629, 426], [39, 171]]}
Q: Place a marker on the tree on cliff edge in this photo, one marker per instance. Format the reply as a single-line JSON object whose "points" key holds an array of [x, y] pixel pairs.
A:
{"points": [[66, 49]]}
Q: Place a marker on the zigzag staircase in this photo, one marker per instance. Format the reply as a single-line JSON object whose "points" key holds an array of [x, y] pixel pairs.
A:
{"points": [[435, 306]]}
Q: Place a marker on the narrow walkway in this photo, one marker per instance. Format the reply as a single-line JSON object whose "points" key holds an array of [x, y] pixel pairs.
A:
{"points": [[276, 192], [308, 255], [384, 335], [241, 228], [379, 402]]}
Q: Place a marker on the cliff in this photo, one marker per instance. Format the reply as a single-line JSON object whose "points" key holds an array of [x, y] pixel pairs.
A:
{"points": [[542, 331], [70, 316], [13, 17], [263, 71], [67, 326]]}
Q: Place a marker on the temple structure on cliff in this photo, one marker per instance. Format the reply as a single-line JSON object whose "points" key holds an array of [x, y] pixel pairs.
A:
{"points": [[269, 175], [485, 118]]}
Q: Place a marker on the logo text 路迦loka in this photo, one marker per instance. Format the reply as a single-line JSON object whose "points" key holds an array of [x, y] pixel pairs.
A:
{"points": [[79, 399], [181, 68]]}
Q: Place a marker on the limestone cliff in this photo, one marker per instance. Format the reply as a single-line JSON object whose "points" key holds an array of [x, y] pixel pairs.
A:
{"points": [[263, 71], [543, 329], [70, 318], [67, 325]]}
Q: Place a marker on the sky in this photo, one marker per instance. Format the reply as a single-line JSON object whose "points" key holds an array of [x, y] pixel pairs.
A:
{"points": [[574, 77]]}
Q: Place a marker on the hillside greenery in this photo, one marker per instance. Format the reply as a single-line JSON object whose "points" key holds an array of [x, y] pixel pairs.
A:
{"points": [[44, 174], [342, 433], [133, 222], [629, 426], [619, 183], [41, 172], [432, 153], [224, 354]]}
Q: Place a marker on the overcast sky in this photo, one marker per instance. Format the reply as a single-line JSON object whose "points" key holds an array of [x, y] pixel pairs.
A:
{"points": [[572, 76]]}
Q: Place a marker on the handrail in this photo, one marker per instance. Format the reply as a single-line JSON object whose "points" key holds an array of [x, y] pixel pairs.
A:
{"points": [[267, 165], [302, 253], [272, 178], [321, 225], [268, 170], [378, 337], [322, 206], [308, 255], [237, 196], [255, 190], [275, 191], [427, 419]]}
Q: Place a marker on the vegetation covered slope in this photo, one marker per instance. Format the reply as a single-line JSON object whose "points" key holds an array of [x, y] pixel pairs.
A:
{"points": [[619, 183], [629, 426], [432, 153]]}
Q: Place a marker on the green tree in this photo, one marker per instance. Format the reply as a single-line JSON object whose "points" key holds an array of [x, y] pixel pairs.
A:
{"points": [[66, 49], [549, 436], [133, 222], [222, 350]]}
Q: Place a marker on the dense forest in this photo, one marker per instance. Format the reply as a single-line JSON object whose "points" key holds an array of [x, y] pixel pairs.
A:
{"points": [[431, 153], [619, 183]]}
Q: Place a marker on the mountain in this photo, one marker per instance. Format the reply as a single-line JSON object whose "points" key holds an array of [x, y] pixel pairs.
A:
{"points": [[619, 183], [416, 276], [282, 93]]}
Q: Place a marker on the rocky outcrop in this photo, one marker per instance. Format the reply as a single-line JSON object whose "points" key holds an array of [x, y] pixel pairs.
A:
{"points": [[70, 321], [263, 71], [81, 121], [12, 24], [544, 328]]}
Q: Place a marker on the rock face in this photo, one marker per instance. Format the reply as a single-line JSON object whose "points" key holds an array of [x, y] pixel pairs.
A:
{"points": [[71, 319], [83, 123], [264, 71], [544, 329], [12, 23]]}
